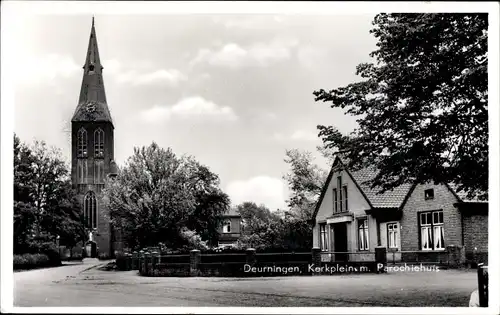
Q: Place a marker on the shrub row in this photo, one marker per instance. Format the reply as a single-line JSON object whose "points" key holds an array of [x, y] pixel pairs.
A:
{"points": [[36, 255], [31, 261]]}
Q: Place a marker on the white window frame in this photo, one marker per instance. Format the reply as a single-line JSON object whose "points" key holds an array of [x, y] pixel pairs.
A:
{"points": [[323, 237], [363, 235], [345, 194], [226, 227], [392, 235], [335, 201], [431, 230], [81, 143], [339, 189], [99, 143]]}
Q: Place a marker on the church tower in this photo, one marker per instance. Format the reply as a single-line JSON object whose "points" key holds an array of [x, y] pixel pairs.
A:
{"points": [[92, 150]]}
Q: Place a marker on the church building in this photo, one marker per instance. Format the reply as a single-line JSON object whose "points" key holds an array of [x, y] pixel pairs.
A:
{"points": [[92, 152]]}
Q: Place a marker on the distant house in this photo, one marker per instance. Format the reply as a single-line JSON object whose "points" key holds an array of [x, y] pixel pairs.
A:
{"points": [[230, 231], [415, 222]]}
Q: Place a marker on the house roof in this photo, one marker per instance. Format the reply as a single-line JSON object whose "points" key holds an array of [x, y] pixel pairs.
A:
{"points": [[462, 195], [232, 212], [390, 199]]}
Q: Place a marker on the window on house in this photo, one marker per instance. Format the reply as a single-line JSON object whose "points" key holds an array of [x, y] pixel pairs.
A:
{"points": [[392, 235], [429, 194], [339, 187], [81, 143], [323, 237], [99, 172], [344, 190], [431, 230], [226, 227], [363, 234], [99, 143], [81, 171], [90, 210], [335, 199]]}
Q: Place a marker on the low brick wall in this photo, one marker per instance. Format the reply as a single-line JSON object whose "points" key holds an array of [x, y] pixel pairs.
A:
{"points": [[251, 264]]}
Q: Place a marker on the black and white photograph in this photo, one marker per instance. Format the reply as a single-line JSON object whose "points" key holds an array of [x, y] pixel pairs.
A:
{"points": [[239, 157]]}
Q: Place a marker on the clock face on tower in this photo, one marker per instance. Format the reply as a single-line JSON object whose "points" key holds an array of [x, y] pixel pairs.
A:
{"points": [[91, 107]]}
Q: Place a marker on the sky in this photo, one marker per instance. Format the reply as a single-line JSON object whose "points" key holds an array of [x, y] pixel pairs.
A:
{"points": [[234, 91]]}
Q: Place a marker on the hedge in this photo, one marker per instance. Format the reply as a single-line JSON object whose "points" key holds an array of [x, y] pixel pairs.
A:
{"points": [[31, 261]]}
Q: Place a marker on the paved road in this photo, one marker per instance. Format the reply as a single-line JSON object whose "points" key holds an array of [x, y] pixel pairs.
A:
{"points": [[75, 286]]}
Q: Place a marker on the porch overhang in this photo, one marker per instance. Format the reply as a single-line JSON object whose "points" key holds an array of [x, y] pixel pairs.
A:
{"points": [[340, 218]]}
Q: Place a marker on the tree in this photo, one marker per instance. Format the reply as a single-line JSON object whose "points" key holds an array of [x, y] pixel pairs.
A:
{"points": [[45, 205], [305, 181], [261, 228], [423, 105], [24, 211], [161, 198]]}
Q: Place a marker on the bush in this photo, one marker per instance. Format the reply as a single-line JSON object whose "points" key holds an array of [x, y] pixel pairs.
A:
{"points": [[47, 248], [30, 261], [104, 256], [193, 239]]}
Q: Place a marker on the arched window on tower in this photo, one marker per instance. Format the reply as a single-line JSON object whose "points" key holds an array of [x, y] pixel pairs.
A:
{"points": [[90, 209], [99, 143], [82, 143]]}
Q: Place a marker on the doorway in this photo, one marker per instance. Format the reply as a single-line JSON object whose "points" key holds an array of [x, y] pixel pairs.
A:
{"points": [[340, 241], [91, 249]]}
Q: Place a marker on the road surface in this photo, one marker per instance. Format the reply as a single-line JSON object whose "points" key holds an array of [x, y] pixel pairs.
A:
{"points": [[86, 285]]}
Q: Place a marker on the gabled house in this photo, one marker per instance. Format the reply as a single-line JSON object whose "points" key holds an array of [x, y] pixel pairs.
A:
{"points": [[230, 231], [415, 222]]}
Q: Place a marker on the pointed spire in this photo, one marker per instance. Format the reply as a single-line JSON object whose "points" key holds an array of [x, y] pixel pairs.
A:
{"points": [[92, 90]]}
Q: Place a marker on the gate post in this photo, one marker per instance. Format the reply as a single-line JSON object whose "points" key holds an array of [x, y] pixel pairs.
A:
{"points": [[194, 261], [251, 257], [380, 259], [154, 256], [146, 263], [482, 279], [141, 261], [316, 257], [134, 260]]}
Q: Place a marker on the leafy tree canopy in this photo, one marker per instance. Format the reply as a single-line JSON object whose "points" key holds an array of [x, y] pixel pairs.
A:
{"points": [[45, 205], [422, 106], [161, 198], [305, 181]]}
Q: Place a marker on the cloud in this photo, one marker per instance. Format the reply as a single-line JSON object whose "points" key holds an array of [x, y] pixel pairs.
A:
{"points": [[140, 76], [304, 135], [311, 57], [191, 107], [297, 135], [234, 56], [260, 189], [45, 69]]}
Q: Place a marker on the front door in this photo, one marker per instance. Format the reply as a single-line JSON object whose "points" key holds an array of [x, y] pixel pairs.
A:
{"points": [[340, 241], [93, 250]]}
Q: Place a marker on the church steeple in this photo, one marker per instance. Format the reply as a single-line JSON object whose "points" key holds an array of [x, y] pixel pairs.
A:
{"points": [[92, 105]]}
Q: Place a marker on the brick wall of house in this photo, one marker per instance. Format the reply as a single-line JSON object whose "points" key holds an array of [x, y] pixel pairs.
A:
{"points": [[444, 200], [476, 236]]}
